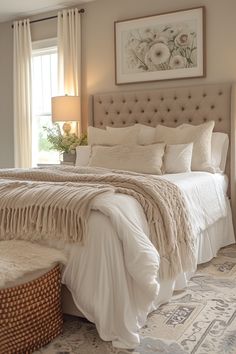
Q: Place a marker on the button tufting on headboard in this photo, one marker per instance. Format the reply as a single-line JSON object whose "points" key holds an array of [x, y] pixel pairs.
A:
{"points": [[194, 105]]}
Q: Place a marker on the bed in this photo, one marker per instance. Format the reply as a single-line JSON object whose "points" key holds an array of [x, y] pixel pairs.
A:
{"points": [[171, 107], [105, 280]]}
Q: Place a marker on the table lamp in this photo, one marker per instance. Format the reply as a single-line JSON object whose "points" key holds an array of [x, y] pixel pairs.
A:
{"points": [[66, 109]]}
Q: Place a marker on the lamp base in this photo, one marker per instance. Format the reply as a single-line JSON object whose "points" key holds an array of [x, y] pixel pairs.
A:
{"points": [[66, 128]]}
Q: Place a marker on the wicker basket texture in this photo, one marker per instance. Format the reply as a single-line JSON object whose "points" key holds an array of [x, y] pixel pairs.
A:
{"points": [[31, 314]]}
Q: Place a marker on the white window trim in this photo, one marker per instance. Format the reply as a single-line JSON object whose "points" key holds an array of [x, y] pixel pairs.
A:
{"points": [[44, 44]]}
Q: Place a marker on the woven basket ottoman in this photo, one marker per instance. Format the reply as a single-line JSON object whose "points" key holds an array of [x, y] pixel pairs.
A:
{"points": [[30, 306]]}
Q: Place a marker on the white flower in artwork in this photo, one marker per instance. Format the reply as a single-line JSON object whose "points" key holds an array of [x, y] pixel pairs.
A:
{"points": [[161, 39], [148, 34], [178, 62], [159, 53], [171, 31], [183, 40]]}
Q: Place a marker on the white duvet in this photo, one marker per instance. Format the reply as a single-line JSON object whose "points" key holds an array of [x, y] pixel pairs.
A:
{"points": [[113, 278]]}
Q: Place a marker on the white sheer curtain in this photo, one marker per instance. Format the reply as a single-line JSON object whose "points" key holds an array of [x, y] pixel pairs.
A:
{"points": [[22, 93], [69, 52]]}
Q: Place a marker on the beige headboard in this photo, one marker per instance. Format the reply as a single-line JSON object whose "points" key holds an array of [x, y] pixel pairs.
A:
{"points": [[172, 107]]}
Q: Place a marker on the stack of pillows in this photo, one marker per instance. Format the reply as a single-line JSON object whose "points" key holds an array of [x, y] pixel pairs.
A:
{"points": [[144, 149]]}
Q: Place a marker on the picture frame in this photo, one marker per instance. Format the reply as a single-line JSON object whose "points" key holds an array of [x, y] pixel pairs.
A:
{"points": [[164, 46]]}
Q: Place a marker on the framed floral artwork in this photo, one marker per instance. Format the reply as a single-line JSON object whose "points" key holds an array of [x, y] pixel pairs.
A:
{"points": [[166, 46]]}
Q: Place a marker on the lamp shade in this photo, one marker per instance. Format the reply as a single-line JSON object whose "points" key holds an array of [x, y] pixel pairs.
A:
{"points": [[65, 108]]}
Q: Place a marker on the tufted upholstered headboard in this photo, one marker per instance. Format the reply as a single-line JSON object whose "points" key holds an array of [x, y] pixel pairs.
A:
{"points": [[172, 107]]}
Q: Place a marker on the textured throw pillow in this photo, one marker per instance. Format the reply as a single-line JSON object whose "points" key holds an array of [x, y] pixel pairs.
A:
{"points": [[219, 150], [178, 158], [115, 136], [82, 155], [136, 158], [199, 135]]}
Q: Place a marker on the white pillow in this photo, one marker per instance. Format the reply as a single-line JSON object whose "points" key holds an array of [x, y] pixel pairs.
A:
{"points": [[178, 158], [82, 155], [199, 135], [136, 158], [145, 134], [115, 136], [219, 150]]}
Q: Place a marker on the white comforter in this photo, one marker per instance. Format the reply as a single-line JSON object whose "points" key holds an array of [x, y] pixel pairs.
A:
{"points": [[114, 277]]}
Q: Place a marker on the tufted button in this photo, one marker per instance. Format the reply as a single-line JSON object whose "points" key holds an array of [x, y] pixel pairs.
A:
{"points": [[106, 113], [100, 102], [197, 108], [149, 121], [112, 101], [136, 122], [136, 100], [204, 95], [124, 101], [189, 96], [162, 98], [101, 123], [176, 120], [130, 111], [212, 106], [162, 121], [220, 93], [118, 112], [155, 110], [168, 109], [123, 122], [142, 111], [205, 119], [190, 120], [182, 108], [149, 99], [220, 119], [112, 123], [175, 98]]}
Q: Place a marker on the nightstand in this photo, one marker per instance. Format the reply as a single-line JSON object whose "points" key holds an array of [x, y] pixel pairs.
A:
{"points": [[67, 163], [47, 164]]}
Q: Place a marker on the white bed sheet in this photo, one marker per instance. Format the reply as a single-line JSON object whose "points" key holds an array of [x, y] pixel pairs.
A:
{"points": [[113, 277]]}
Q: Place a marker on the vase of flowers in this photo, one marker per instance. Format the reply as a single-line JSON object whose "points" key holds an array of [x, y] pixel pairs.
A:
{"points": [[65, 143]]}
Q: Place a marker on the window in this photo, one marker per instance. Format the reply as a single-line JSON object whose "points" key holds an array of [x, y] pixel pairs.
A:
{"points": [[44, 86]]}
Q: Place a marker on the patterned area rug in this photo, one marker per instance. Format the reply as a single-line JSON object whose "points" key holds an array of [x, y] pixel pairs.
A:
{"points": [[200, 319]]}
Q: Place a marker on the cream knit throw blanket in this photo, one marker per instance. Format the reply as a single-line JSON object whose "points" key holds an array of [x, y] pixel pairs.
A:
{"points": [[55, 203]]}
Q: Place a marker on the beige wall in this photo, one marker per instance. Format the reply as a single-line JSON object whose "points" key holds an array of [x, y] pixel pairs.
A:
{"points": [[98, 51], [6, 96]]}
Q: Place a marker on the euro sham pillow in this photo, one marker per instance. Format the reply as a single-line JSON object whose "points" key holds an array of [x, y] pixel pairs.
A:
{"points": [[199, 135], [145, 134], [136, 158], [178, 158], [98, 136], [219, 150]]}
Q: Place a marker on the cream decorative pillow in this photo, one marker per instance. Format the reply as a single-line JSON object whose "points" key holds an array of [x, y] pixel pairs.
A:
{"points": [[136, 158], [178, 158], [82, 155], [199, 135], [145, 134], [115, 136], [219, 150]]}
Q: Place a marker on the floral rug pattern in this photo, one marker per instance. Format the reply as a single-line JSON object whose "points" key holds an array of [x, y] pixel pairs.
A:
{"points": [[198, 320]]}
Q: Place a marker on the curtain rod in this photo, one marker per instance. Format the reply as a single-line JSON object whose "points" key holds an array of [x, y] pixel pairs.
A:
{"points": [[81, 11]]}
